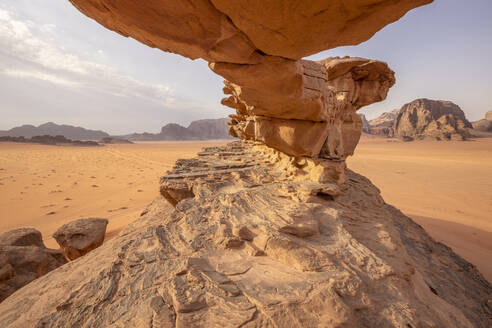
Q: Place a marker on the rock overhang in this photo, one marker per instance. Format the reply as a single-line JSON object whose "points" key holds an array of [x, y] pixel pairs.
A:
{"points": [[300, 107]]}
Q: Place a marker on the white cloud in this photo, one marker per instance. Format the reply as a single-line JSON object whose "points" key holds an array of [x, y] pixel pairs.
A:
{"points": [[29, 51], [39, 76]]}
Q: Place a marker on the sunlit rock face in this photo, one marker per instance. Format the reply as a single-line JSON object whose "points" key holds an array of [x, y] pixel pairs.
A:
{"points": [[309, 108], [300, 107]]}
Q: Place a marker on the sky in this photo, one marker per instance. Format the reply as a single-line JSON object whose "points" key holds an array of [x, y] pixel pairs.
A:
{"points": [[57, 65]]}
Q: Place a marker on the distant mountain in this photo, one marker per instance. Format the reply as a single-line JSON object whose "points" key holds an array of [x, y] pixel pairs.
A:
{"points": [[484, 125], [52, 129], [197, 130], [433, 119], [386, 119]]}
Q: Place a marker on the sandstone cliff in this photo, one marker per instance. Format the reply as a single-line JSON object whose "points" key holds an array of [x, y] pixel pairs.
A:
{"points": [[435, 119]]}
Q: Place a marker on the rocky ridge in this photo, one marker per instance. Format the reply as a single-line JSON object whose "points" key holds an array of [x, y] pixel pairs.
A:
{"points": [[52, 129], [197, 130], [255, 241]]}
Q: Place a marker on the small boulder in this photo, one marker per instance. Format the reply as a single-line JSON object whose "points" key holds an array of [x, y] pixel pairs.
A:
{"points": [[24, 258], [22, 237], [79, 237]]}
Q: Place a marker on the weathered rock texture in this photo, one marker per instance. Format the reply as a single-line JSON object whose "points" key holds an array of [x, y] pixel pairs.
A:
{"points": [[435, 119], [79, 237], [23, 258], [301, 107], [310, 109], [484, 125], [259, 244]]}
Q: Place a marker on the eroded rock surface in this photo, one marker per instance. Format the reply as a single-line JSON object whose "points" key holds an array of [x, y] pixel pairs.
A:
{"points": [[79, 237], [309, 109], [435, 119], [300, 107], [23, 258], [260, 245]]}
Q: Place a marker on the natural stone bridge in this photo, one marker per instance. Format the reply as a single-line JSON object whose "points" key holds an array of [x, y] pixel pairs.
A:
{"points": [[300, 107]]}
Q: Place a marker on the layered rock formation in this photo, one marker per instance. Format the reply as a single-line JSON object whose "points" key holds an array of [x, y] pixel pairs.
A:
{"points": [[300, 107], [258, 244], [435, 119], [24, 258], [484, 125], [310, 109]]}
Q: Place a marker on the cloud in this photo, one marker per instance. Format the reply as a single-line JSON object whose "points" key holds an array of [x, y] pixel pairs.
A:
{"points": [[30, 51], [39, 76]]}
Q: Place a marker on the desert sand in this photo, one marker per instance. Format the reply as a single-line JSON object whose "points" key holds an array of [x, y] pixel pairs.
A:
{"points": [[444, 186], [45, 187]]}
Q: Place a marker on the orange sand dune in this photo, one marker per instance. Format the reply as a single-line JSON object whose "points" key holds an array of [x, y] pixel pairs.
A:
{"points": [[444, 186], [46, 186]]}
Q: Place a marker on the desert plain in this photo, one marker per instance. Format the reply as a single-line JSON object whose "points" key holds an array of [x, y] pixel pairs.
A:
{"points": [[444, 186]]}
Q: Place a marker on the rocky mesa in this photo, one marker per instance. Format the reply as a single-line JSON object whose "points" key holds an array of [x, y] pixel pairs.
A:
{"points": [[436, 119], [272, 230], [423, 119]]}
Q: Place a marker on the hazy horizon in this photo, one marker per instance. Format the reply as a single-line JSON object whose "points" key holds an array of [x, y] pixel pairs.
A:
{"points": [[56, 65]]}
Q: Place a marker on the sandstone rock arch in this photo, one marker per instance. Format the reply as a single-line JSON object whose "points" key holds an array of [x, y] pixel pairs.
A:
{"points": [[300, 107]]}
